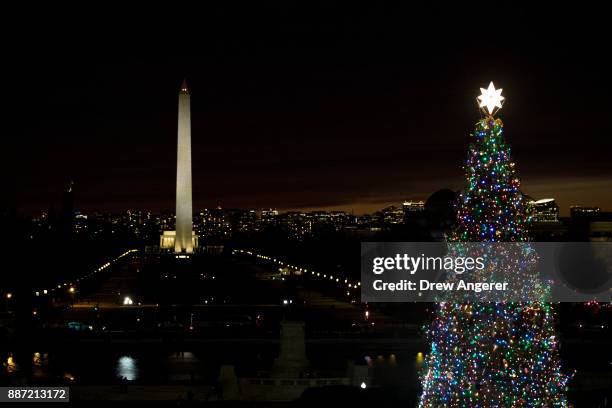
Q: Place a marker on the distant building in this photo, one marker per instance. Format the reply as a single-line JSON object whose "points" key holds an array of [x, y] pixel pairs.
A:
{"points": [[167, 240], [581, 212], [216, 223], [339, 219], [591, 223], [248, 221], [80, 223], [412, 208], [544, 210], [368, 222], [392, 215], [320, 217], [297, 224], [269, 217]]}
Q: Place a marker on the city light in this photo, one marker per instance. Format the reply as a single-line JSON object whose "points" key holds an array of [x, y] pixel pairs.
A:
{"points": [[332, 278], [96, 270], [361, 154]]}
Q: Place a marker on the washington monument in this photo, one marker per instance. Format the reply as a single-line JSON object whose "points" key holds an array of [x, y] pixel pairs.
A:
{"points": [[184, 214]]}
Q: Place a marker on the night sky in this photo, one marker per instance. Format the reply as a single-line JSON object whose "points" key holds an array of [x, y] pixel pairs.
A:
{"points": [[328, 106]]}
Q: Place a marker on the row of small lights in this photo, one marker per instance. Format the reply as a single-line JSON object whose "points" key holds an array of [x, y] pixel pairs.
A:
{"points": [[71, 287], [350, 285]]}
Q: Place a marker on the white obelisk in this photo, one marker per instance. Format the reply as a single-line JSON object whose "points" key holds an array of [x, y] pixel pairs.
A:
{"points": [[184, 214]]}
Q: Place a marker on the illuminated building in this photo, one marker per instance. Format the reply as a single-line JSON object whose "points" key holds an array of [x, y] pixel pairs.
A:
{"points": [[216, 223], [339, 219], [578, 211], [392, 215], [298, 225], [184, 238], [268, 218], [413, 206], [80, 223], [545, 210], [247, 221]]}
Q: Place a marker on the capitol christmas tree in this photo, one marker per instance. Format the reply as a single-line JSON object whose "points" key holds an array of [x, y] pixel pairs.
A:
{"points": [[492, 354]]}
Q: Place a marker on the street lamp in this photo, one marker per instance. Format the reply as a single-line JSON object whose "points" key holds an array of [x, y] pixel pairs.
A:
{"points": [[72, 291]]}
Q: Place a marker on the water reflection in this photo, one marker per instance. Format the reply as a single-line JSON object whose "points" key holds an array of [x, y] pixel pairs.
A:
{"points": [[10, 364], [419, 359], [36, 359], [127, 367], [185, 355]]}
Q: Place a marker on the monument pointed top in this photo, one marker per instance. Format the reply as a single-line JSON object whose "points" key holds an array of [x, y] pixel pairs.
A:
{"points": [[184, 86]]}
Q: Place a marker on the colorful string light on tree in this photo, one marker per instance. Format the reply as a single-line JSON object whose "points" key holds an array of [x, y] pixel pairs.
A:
{"points": [[492, 354]]}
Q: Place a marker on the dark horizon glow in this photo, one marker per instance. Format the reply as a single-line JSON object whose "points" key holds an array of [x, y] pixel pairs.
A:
{"points": [[328, 107]]}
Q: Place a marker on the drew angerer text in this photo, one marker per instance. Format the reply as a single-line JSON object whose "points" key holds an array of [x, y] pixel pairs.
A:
{"points": [[425, 285], [412, 264]]}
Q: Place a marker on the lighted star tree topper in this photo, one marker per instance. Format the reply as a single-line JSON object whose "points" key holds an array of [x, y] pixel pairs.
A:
{"points": [[488, 354], [490, 99]]}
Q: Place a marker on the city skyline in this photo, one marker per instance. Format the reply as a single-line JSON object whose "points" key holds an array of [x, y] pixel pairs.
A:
{"points": [[358, 209], [352, 114], [305, 203]]}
